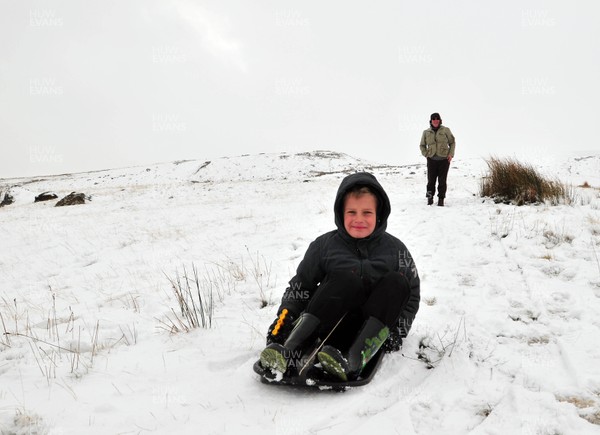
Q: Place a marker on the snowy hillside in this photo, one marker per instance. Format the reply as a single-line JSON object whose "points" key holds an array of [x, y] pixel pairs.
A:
{"points": [[507, 339]]}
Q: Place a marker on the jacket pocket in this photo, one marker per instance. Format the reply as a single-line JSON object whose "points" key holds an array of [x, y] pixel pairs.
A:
{"points": [[442, 150]]}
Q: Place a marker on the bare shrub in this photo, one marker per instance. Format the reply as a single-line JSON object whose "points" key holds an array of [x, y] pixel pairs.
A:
{"points": [[510, 181]]}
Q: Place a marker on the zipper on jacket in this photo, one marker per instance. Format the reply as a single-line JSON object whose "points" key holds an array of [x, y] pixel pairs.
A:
{"points": [[361, 259]]}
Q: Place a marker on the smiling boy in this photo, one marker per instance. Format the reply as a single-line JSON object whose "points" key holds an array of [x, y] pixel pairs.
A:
{"points": [[360, 213], [357, 285]]}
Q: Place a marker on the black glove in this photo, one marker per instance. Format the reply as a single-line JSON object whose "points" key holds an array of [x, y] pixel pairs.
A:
{"points": [[394, 341], [281, 327]]}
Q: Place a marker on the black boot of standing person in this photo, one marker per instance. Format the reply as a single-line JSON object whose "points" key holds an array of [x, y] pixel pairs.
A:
{"points": [[437, 145]]}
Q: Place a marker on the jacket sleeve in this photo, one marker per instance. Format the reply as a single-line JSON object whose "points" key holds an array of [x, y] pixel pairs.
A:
{"points": [[423, 145], [302, 286], [409, 269], [451, 142]]}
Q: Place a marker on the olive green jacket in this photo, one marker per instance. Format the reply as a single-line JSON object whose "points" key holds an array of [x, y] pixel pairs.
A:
{"points": [[437, 143]]}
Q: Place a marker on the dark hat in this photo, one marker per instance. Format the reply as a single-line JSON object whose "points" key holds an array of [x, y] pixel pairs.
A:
{"points": [[435, 116]]}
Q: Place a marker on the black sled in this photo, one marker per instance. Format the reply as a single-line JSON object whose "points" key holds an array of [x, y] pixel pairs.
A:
{"points": [[314, 377]]}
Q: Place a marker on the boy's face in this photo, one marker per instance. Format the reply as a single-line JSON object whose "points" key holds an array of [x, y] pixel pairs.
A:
{"points": [[360, 215]]}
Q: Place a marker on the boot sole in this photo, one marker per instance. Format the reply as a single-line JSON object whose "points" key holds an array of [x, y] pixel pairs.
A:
{"points": [[332, 366], [273, 359]]}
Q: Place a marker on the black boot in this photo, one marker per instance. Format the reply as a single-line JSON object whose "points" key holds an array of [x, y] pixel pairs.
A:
{"points": [[441, 202], [429, 198], [277, 357], [365, 346]]}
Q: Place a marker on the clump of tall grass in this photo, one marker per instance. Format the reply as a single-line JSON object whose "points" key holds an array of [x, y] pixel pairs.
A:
{"points": [[511, 181], [195, 299]]}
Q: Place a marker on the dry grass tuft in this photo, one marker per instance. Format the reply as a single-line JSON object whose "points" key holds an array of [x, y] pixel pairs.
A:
{"points": [[510, 181], [196, 303], [586, 407]]}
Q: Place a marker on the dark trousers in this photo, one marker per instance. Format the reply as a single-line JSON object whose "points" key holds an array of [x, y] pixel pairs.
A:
{"points": [[437, 170], [344, 294]]}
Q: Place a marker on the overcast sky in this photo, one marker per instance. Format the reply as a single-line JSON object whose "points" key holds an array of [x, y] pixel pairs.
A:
{"points": [[101, 84]]}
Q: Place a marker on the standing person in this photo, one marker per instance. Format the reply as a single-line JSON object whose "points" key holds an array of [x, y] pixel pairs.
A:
{"points": [[357, 273], [437, 144]]}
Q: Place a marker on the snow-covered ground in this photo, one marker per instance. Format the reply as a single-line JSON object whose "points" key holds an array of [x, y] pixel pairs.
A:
{"points": [[509, 324]]}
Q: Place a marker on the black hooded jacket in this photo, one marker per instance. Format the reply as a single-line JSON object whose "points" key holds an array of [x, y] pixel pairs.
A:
{"points": [[371, 258]]}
